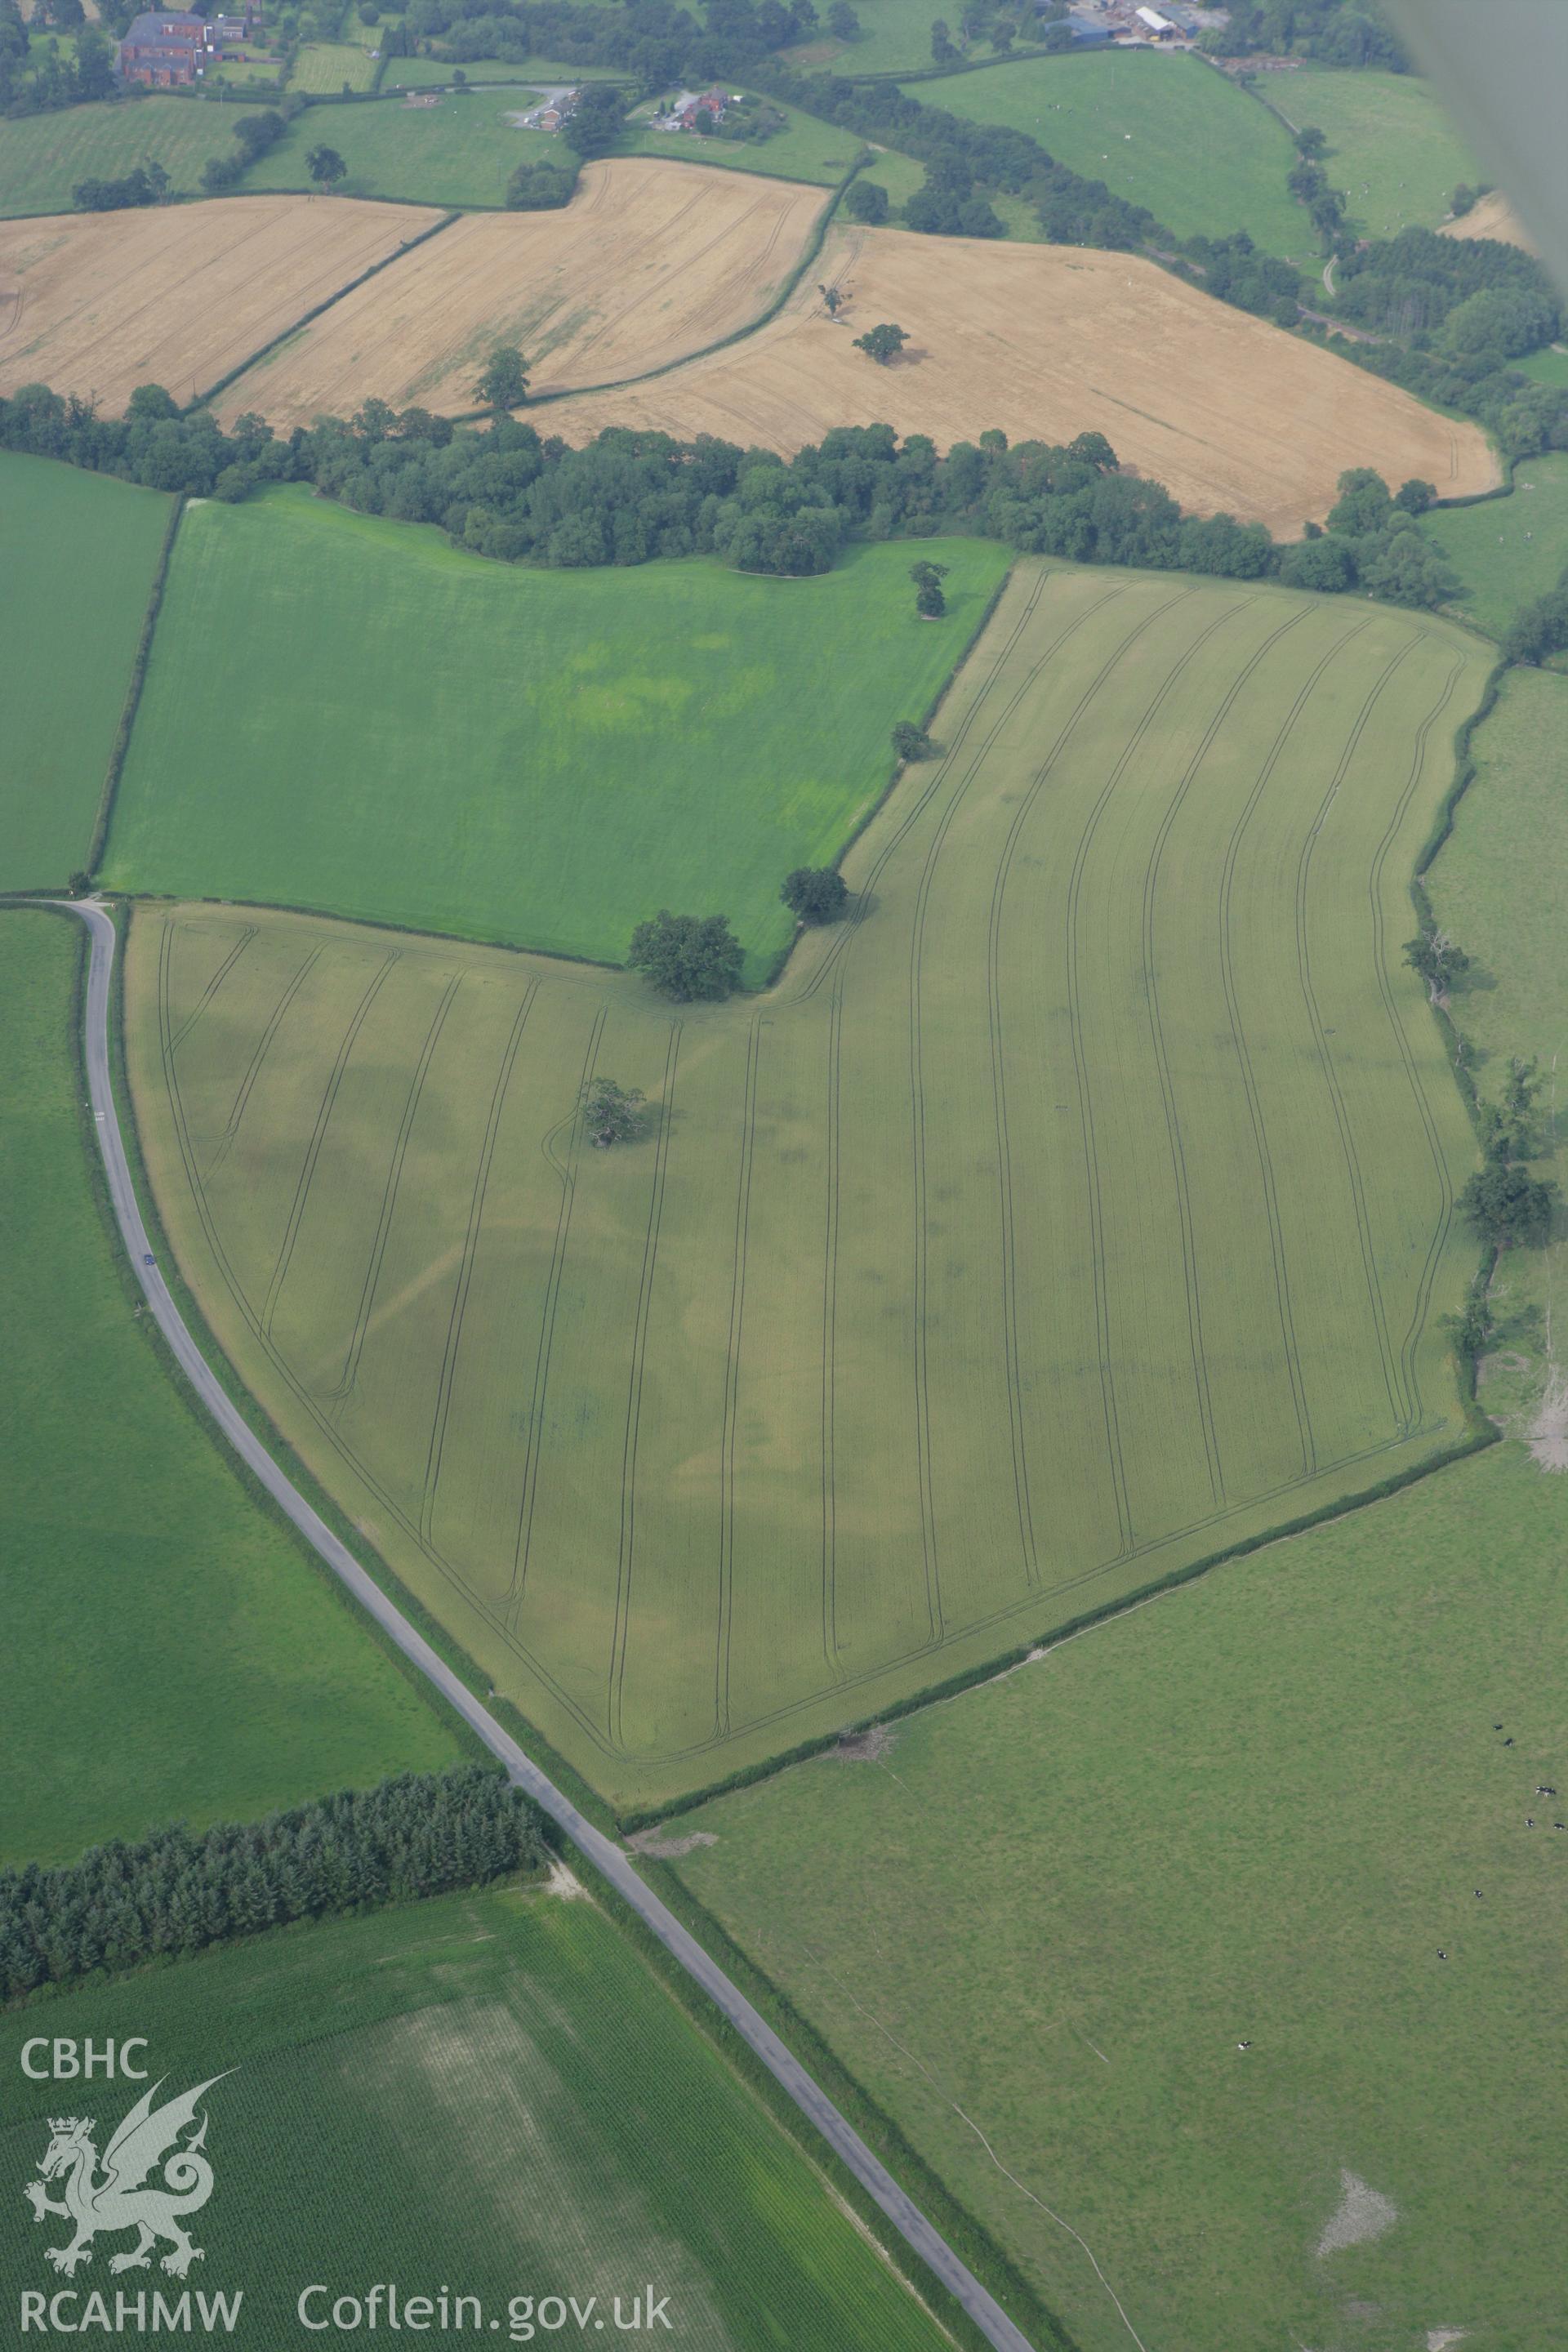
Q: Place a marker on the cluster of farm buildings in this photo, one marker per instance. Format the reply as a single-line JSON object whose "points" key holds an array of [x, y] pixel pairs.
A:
{"points": [[172, 49], [1128, 24]]}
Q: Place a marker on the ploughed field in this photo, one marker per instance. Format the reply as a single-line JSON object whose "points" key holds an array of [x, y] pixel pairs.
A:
{"points": [[1046, 341], [1083, 1206], [97, 303], [648, 263], [512, 2107]]}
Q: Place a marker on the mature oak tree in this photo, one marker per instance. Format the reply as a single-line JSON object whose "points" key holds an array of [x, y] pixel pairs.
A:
{"points": [[687, 956]]}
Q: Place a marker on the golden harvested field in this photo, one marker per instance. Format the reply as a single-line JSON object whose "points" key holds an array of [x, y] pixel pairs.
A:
{"points": [[1491, 215], [1046, 341], [99, 302], [649, 261]]}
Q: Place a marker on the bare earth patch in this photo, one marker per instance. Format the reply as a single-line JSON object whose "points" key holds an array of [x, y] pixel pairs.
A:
{"points": [[96, 303], [1549, 1430], [661, 1848], [1442, 2339], [1493, 216], [648, 263], [865, 1747], [1047, 342], [1363, 2213]]}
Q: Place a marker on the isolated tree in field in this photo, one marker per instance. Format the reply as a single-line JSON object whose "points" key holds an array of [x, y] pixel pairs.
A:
{"points": [[326, 167], [929, 602], [612, 1114], [817, 894], [1439, 959], [502, 382], [687, 956], [913, 742], [832, 299], [882, 343]]}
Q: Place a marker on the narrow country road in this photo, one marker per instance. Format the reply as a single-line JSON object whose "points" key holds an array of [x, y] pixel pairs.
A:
{"points": [[606, 1857]]}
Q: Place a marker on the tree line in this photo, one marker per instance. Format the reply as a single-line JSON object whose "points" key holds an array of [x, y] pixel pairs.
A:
{"points": [[178, 1891], [630, 497]]}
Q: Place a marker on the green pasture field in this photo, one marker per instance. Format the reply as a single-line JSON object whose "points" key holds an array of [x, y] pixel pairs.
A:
{"points": [[78, 554], [424, 73], [895, 39], [461, 151], [901, 176], [803, 1403], [538, 757], [42, 156], [1165, 131], [325, 65], [807, 148], [169, 1652], [1255, 1813], [1392, 148], [1508, 551], [508, 2103], [1497, 886], [1547, 366]]}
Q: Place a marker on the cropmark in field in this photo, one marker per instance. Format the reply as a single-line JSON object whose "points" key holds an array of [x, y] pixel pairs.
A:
{"points": [[1044, 343], [100, 302], [1083, 1206], [647, 264]]}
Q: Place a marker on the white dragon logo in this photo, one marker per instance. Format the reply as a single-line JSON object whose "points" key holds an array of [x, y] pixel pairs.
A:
{"points": [[119, 2201]]}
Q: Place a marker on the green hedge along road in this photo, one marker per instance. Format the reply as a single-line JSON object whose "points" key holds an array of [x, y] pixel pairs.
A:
{"points": [[605, 1856]]}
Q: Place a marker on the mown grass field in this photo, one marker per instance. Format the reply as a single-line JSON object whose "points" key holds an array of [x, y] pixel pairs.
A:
{"points": [[538, 757], [1508, 551], [426, 73], [170, 1653], [508, 2103], [327, 66], [78, 554], [1497, 886], [460, 152], [1254, 1811], [801, 1404], [1392, 147], [42, 156], [1168, 133]]}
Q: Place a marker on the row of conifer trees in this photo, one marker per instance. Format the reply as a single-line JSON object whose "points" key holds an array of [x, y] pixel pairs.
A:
{"points": [[177, 1891]]}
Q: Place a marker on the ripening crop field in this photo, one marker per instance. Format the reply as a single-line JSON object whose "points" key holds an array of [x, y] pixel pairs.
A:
{"points": [[78, 554], [389, 728], [511, 2105], [1081, 1207], [648, 263], [172, 1651]]}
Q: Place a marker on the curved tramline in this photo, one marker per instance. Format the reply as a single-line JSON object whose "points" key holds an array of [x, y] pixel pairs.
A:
{"points": [[1079, 1208]]}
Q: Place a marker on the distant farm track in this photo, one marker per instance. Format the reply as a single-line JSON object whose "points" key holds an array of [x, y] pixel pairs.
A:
{"points": [[1080, 1207]]}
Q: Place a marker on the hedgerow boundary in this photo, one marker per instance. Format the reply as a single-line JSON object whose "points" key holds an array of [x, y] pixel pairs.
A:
{"points": [[129, 708]]}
